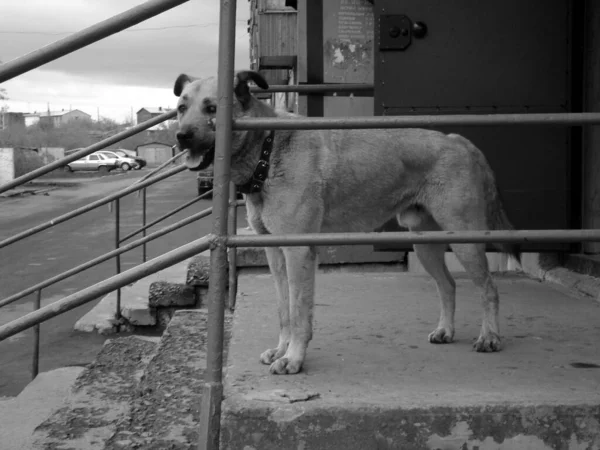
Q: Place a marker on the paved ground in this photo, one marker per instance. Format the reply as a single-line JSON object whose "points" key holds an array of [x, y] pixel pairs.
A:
{"points": [[370, 364], [60, 248]]}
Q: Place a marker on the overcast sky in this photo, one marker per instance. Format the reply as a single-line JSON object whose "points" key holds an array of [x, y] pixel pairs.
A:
{"points": [[124, 72]]}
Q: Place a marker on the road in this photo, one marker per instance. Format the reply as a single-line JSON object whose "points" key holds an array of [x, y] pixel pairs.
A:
{"points": [[66, 245]]}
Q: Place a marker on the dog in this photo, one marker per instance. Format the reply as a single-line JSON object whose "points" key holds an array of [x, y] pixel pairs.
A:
{"points": [[348, 180]]}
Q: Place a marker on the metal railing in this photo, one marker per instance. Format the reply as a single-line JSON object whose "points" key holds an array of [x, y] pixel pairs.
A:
{"points": [[222, 240]]}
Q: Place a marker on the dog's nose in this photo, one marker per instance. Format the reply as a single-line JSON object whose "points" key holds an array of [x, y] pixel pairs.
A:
{"points": [[184, 137]]}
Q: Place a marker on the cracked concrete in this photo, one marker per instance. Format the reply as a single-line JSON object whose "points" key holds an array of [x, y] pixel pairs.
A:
{"points": [[381, 385]]}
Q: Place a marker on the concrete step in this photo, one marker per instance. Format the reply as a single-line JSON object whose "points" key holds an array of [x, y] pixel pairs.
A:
{"points": [[165, 412], [142, 303], [19, 416], [372, 381], [100, 399]]}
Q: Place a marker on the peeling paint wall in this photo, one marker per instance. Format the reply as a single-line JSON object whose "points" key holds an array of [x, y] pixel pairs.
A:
{"points": [[348, 31]]}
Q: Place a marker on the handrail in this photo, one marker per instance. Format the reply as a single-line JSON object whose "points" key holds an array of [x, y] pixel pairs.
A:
{"points": [[86, 151], [86, 37], [90, 206], [162, 166], [413, 237], [315, 88], [104, 287], [106, 256], [165, 216], [428, 121]]}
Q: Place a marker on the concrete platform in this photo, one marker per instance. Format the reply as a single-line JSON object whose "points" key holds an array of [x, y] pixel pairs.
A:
{"points": [[372, 381]]}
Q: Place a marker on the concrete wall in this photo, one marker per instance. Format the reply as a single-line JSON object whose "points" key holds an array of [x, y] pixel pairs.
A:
{"points": [[26, 160], [51, 154], [154, 154], [17, 162], [7, 166]]}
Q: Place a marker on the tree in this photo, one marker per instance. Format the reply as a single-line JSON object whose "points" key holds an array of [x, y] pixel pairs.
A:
{"points": [[3, 94]]}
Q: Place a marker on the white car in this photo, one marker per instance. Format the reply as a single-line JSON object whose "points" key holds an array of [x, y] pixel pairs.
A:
{"points": [[123, 162]]}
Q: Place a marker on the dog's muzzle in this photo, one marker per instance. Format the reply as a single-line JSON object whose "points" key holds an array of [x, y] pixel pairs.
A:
{"points": [[195, 161]]}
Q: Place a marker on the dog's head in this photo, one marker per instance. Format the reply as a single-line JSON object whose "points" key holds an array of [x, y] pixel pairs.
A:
{"points": [[197, 110]]}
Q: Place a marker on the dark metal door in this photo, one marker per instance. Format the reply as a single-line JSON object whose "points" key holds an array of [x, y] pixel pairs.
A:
{"points": [[509, 56]]}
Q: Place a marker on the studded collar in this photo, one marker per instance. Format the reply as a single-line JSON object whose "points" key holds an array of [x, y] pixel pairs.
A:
{"points": [[261, 172]]}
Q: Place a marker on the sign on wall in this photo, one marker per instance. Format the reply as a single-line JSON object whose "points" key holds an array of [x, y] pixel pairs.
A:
{"points": [[348, 41]]}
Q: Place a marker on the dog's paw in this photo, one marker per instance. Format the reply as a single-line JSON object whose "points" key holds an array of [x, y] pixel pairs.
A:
{"points": [[284, 366], [270, 355], [441, 336], [489, 342]]}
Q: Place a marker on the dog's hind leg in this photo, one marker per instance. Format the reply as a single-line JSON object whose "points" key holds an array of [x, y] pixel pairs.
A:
{"points": [[276, 261], [473, 259], [431, 257], [301, 265]]}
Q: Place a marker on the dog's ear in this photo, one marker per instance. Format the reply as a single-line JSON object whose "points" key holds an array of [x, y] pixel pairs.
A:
{"points": [[241, 89], [180, 83]]}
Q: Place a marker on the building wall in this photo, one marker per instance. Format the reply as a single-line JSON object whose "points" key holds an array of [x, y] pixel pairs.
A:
{"points": [[11, 120], [155, 154], [143, 115], [74, 115], [7, 165], [591, 158]]}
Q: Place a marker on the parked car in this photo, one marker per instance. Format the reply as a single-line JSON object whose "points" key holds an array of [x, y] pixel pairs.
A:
{"points": [[124, 162], [141, 162], [94, 161]]}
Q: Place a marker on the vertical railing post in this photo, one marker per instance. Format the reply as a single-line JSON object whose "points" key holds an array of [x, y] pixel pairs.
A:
{"points": [[232, 252], [212, 393], [118, 257], [144, 254], [35, 364]]}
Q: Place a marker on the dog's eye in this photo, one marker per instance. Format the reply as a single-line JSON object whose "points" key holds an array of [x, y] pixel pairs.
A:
{"points": [[211, 109], [181, 109]]}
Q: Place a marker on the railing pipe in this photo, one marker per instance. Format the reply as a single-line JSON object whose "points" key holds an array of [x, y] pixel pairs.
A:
{"points": [[166, 216], [86, 151], [107, 256], [316, 88], [90, 206], [144, 227], [35, 363], [104, 287], [86, 37], [118, 257], [210, 408], [162, 166], [471, 120], [232, 252], [428, 237]]}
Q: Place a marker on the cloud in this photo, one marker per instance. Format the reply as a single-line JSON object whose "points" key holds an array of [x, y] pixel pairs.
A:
{"points": [[121, 69]]}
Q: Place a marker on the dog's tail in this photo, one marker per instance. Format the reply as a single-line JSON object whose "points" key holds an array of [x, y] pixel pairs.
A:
{"points": [[498, 219]]}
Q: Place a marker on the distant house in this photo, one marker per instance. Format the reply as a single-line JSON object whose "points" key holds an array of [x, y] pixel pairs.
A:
{"points": [[148, 113], [31, 119], [12, 120], [155, 153], [60, 118]]}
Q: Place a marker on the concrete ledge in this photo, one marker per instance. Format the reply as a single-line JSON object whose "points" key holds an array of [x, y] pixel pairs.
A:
{"points": [[164, 413], [135, 306], [100, 399], [372, 381]]}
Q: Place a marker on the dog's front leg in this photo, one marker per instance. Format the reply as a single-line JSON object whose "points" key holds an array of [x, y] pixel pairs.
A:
{"points": [[301, 265], [277, 265]]}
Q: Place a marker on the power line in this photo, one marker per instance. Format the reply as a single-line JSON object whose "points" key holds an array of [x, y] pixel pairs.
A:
{"points": [[58, 33]]}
